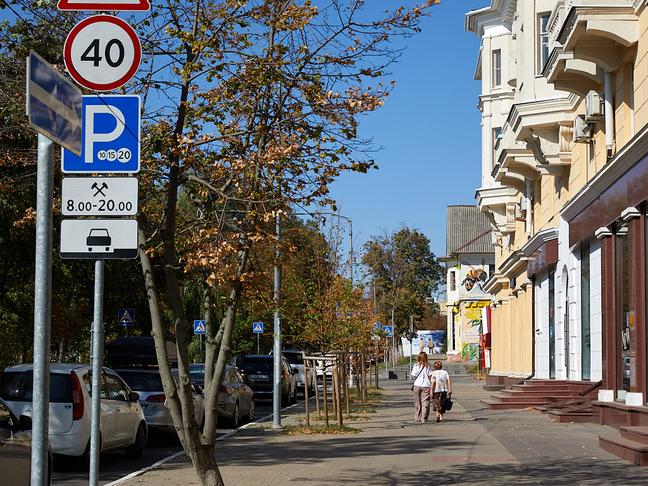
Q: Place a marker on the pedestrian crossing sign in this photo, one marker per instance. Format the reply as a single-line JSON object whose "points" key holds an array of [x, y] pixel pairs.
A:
{"points": [[199, 327], [257, 327], [126, 317]]}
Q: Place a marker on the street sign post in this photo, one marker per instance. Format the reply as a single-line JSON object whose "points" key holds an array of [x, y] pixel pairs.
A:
{"points": [[99, 196], [99, 239], [257, 328], [199, 327], [102, 52], [53, 104], [54, 111], [126, 317], [110, 126], [111, 6]]}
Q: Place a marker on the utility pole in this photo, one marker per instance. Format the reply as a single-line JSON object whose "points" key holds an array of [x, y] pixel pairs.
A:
{"points": [[276, 352], [411, 339], [393, 348], [42, 311]]}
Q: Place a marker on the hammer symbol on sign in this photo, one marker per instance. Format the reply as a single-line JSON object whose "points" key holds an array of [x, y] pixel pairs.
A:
{"points": [[100, 190]]}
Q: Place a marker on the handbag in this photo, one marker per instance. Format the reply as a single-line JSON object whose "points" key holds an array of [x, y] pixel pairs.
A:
{"points": [[446, 404], [417, 375]]}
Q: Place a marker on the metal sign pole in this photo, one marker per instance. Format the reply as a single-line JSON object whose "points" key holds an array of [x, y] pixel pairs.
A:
{"points": [[97, 362], [258, 352], [42, 312], [276, 386]]}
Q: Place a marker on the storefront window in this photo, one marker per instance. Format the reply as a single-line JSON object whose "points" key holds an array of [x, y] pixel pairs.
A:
{"points": [[552, 325], [625, 318], [586, 346]]}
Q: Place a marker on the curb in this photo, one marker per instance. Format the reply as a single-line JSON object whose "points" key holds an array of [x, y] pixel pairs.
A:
{"points": [[229, 434]]}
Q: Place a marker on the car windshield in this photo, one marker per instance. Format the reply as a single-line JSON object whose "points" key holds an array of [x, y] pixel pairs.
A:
{"points": [[16, 386], [294, 358], [252, 365], [142, 380]]}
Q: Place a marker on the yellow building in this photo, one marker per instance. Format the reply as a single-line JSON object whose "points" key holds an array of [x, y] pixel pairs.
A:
{"points": [[565, 186]]}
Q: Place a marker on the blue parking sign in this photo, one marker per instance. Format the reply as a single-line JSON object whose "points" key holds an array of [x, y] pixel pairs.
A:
{"points": [[110, 136]]}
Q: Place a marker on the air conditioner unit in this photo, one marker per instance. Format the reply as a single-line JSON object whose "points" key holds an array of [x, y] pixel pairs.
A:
{"points": [[594, 107], [582, 130]]}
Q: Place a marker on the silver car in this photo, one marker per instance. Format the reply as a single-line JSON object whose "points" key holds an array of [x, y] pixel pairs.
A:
{"points": [[296, 359], [148, 385]]}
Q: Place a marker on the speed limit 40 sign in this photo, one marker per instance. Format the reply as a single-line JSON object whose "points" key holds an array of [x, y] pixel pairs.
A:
{"points": [[102, 52]]}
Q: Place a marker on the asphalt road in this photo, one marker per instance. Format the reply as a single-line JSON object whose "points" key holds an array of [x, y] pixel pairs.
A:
{"points": [[115, 465]]}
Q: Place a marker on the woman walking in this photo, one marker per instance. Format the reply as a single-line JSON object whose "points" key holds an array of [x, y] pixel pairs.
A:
{"points": [[421, 371], [441, 387]]}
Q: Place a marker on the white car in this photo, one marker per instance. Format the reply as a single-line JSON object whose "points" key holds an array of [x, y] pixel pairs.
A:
{"points": [[296, 359], [122, 420]]}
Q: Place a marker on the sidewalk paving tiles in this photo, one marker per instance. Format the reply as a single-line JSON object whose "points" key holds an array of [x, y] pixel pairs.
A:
{"points": [[471, 446]]}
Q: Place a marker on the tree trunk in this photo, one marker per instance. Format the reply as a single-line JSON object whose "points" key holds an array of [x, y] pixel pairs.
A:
{"points": [[317, 398], [325, 397], [363, 377], [338, 398], [345, 377], [306, 394]]}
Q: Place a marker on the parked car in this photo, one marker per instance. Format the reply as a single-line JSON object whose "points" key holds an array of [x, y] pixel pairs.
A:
{"points": [[296, 359], [15, 449], [258, 372], [147, 382], [235, 397], [122, 422], [136, 351]]}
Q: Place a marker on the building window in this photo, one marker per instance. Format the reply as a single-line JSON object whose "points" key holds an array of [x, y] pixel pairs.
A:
{"points": [[552, 324], [497, 68], [452, 283], [543, 40], [497, 135], [586, 344]]}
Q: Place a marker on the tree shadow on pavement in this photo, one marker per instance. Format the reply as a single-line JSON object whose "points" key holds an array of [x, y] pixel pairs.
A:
{"points": [[586, 471]]}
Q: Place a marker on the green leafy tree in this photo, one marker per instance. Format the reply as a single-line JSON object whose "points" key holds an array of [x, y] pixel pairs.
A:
{"points": [[405, 272]]}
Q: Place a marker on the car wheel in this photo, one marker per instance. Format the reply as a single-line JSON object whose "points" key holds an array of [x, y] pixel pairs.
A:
{"points": [[137, 448], [236, 416], [251, 412]]}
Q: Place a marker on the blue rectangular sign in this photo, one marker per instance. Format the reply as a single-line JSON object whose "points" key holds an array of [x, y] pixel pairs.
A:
{"points": [[388, 331], [110, 129], [53, 103], [199, 327], [257, 327]]}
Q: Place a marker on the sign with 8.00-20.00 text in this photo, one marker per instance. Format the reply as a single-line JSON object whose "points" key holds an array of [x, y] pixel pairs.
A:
{"points": [[110, 130], [99, 196]]}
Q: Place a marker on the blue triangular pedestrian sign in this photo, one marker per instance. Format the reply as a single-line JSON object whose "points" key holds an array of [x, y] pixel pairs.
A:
{"points": [[257, 327], [199, 327]]}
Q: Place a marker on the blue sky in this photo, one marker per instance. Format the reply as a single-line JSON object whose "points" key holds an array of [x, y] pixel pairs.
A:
{"points": [[430, 131]]}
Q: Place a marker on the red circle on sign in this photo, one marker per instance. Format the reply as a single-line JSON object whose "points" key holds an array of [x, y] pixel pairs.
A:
{"points": [[113, 84]]}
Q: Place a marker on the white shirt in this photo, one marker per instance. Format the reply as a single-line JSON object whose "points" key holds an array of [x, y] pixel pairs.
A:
{"points": [[423, 378], [441, 377]]}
